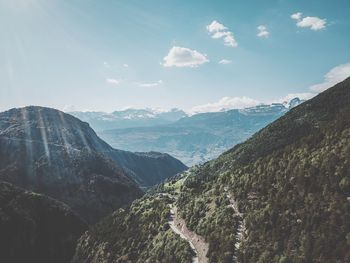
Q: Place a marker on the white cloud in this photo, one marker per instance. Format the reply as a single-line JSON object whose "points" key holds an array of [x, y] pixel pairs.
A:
{"points": [[218, 30], [313, 22], [70, 108], [334, 76], [113, 81], [184, 57], [225, 61], [296, 16], [125, 65], [262, 31], [215, 26], [302, 96], [226, 103], [149, 84], [229, 103]]}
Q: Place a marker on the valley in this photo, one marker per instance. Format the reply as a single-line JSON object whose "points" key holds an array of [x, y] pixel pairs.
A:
{"points": [[193, 139], [251, 204], [258, 202], [174, 131]]}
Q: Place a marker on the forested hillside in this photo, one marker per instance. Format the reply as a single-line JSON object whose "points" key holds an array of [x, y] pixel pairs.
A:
{"points": [[291, 183], [282, 196], [138, 234]]}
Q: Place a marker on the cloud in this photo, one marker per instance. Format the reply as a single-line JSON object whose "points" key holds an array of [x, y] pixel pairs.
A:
{"points": [[215, 26], [226, 103], [69, 108], [113, 81], [229, 103], [149, 84], [125, 65], [218, 30], [262, 31], [296, 16], [184, 57], [313, 22], [225, 61], [334, 76], [302, 96]]}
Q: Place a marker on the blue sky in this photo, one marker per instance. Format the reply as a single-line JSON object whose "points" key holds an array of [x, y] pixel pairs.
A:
{"points": [[107, 55]]}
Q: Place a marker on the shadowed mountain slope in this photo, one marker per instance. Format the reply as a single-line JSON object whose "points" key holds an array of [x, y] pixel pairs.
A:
{"points": [[36, 228], [51, 152]]}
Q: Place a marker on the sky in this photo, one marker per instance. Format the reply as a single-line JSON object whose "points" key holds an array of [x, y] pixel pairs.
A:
{"points": [[104, 55]]}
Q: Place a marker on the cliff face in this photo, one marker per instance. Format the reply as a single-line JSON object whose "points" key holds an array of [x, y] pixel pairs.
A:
{"points": [[36, 228]]}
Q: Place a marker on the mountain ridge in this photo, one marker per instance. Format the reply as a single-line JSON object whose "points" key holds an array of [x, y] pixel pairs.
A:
{"points": [[129, 118], [200, 137], [282, 196], [48, 151]]}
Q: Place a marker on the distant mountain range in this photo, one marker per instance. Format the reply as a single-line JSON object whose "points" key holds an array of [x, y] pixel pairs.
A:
{"points": [[200, 137], [129, 118], [47, 151]]}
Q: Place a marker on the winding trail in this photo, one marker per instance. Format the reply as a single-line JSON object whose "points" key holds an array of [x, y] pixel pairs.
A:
{"points": [[241, 225], [197, 242]]}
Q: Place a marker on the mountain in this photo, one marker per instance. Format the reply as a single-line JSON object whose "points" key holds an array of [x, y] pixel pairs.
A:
{"points": [[201, 137], [129, 118], [54, 153], [36, 228], [281, 196], [147, 168]]}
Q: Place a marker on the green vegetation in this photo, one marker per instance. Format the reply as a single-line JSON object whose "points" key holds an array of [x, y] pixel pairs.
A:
{"points": [[167, 247], [290, 181], [138, 234], [210, 216]]}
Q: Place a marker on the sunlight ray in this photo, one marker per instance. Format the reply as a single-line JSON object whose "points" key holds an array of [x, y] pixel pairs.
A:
{"points": [[42, 128], [28, 142]]}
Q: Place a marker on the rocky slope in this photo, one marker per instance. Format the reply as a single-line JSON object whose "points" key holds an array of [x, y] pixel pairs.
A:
{"points": [[282, 196], [51, 152], [36, 228]]}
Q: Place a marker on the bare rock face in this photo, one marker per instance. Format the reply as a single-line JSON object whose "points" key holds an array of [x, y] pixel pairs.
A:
{"points": [[36, 228]]}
